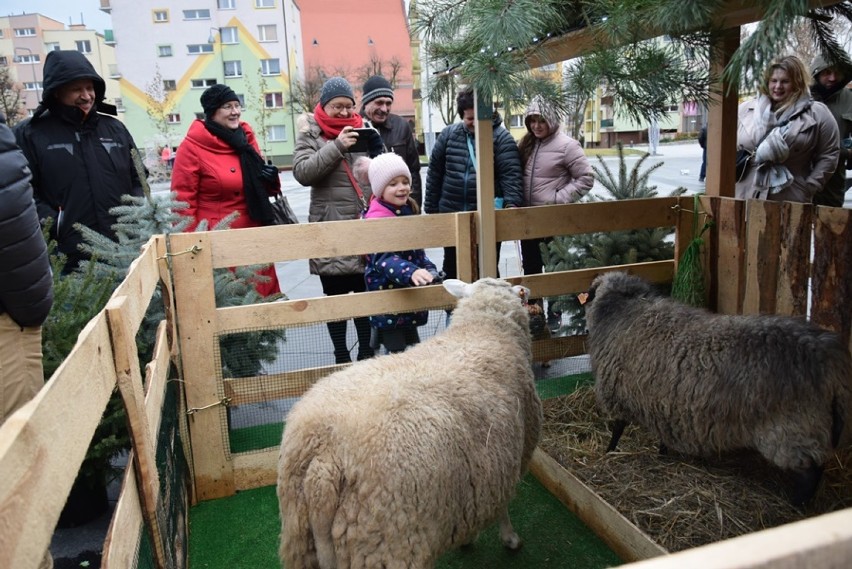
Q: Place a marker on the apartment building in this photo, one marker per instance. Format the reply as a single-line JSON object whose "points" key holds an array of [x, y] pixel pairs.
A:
{"points": [[168, 53], [25, 41]]}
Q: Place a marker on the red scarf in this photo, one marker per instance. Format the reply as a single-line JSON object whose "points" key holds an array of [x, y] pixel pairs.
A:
{"points": [[331, 127]]}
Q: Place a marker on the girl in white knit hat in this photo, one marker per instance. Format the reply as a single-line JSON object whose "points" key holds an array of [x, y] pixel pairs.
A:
{"points": [[390, 181]]}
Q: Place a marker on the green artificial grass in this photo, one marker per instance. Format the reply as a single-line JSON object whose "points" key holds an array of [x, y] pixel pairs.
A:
{"points": [[242, 532]]}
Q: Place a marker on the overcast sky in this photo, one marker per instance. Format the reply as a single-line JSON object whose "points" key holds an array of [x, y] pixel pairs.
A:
{"points": [[65, 11]]}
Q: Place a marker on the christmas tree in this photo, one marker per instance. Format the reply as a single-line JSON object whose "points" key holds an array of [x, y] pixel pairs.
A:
{"points": [[570, 252]]}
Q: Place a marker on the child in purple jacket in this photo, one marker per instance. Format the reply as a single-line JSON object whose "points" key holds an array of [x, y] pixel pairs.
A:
{"points": [[390, 180]]}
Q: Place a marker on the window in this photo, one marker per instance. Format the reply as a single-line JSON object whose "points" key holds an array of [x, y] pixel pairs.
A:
{"points": [[119, 104], [196, 14], [276, 133], [84, 46], [1, 34], [196, 48], [516, 121], [3, 60], [29, 58], [33, 86], [161, 16], [169, 85], [173, 118], [164, 50], [672, 108], [227, 5], [270, 67], [273, 100], [24, 32], [267, 33], [234, 68], [264, 3], [51, 46], [203, 83], [229, 35]]}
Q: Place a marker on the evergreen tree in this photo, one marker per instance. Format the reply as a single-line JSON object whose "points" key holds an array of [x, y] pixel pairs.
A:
{"points": [[586, 251]]}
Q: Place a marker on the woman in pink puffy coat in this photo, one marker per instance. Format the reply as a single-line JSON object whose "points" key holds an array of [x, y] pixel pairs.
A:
{"points": [[556, 171]]}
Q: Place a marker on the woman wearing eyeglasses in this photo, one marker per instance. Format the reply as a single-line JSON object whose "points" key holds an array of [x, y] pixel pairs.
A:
{"points": [[322, 160], [219, 170]]}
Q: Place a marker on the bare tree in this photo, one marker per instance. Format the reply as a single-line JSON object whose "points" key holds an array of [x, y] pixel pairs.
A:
{"points": [[305, 93], [256, 93], [11, 101]]}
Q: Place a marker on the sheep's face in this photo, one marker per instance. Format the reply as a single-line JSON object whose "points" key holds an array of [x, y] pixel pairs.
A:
{"points": [[611, 286], [461, 289]]}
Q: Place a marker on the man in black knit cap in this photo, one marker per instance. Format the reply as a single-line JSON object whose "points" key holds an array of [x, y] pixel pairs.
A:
{"points": [[376, 102]]}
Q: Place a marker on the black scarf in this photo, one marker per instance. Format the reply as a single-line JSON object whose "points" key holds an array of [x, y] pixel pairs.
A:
{"points": [[257, 198]]}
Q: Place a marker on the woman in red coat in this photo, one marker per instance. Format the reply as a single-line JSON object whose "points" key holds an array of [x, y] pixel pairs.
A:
{"points": [[219, 170]]}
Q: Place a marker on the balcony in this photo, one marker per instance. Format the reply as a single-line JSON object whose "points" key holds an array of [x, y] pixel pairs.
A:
{"points": [[109, 37], [606, 123], [105, 6], [114, 73]]}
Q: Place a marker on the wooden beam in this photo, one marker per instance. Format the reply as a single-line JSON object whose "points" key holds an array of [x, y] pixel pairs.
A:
{"points": [[485, 180], [722, 121]]}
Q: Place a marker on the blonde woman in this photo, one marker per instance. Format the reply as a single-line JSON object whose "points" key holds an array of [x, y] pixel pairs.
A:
{"points": [[794, 139]]}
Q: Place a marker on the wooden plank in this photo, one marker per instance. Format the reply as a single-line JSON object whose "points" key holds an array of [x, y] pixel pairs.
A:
{"points": [[832, 271], [726, 244], [467, 264], [321, 309], [794, 259], [722, 120], [256, 469], [258, 389], [129, 379], [731, 14], [125, 528], [156, 377], [578, 280], [260, 245], [763, 250], [139, 284], [581, 218], [821, 542], [44, 442], [195, 304], [560, 347], [624, 538]]}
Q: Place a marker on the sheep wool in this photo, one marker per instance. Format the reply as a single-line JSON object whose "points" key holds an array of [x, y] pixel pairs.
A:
{"points": [[708, 383], [397, 459]]}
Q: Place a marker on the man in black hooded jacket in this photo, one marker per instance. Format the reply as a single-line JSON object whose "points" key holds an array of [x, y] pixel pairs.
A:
{"points": [[80, 159], [829, 87]]}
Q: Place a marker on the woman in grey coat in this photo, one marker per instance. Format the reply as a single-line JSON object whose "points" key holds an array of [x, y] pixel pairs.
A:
{"points": [[794, 139], [322, 160]]}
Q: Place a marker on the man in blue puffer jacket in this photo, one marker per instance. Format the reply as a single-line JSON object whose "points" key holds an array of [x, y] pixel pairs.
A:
{"points": [[451, 177], [26, 283]]}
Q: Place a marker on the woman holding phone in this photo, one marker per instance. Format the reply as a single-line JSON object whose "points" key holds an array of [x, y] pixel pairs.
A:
{"points": [[323, 160]]}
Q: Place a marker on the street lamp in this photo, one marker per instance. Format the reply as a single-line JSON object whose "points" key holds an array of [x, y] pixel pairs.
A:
{"points": [[32, 66], [211, 39]]}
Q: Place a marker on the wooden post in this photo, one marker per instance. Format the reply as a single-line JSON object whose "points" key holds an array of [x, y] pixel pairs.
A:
{"points": [[191, 257], [722, 121], [129, 379], [487, 236]]}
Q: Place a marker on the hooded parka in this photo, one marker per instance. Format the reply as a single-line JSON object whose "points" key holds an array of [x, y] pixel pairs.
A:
{"points": [[557, 171], [81, 164], [839, 101]]}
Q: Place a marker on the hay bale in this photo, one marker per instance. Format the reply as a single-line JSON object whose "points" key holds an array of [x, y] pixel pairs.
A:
{"points": [[701, 501]]}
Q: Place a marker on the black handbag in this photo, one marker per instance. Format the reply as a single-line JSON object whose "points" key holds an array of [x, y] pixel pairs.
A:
{"points": [[282, 213], [743, 157]]}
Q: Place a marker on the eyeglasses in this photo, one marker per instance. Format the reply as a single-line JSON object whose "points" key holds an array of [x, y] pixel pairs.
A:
{"points": [[340, 108], [232, 107]]}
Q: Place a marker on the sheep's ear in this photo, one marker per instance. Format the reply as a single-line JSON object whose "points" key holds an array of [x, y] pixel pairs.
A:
{"points": [[457, 288], [522, 291]]}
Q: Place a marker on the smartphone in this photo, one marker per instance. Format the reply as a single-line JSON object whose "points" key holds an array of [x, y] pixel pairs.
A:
{"points": [[365, 136]]}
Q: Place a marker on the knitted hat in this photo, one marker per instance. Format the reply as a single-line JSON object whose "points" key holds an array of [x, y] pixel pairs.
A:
{"points": [[216, 96], [336, 87], [384, 168], [375, 87]]}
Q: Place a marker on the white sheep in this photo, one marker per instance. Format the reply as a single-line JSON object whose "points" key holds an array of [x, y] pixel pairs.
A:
{"points": [[708, 383], [397, 459]]}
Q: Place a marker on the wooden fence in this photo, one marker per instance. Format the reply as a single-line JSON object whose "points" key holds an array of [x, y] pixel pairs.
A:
{"points": [[760, 256]]}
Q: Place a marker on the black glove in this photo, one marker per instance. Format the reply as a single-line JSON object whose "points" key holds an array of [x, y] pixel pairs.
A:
{"points": [[269, 173], [376, 145]]}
